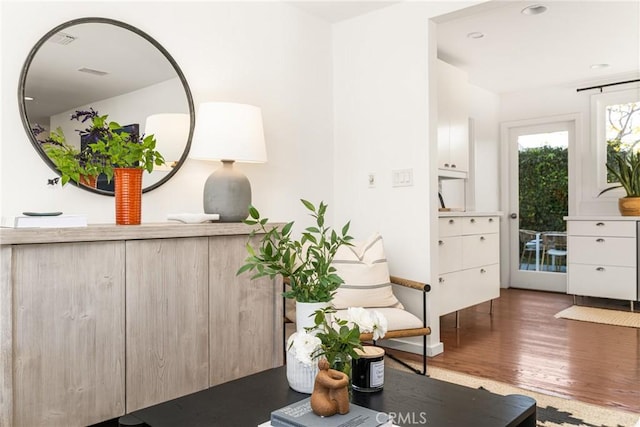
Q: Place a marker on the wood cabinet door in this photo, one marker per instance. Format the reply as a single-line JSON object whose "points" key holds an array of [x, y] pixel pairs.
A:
{"points": [[245, 315], [68, 333], [167, 319]]}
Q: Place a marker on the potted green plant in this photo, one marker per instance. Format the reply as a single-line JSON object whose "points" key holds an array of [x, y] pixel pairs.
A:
{"points": [[625, 167], [118, 148], [331, 338], [124, 157], [81, 166], [304, 262]]}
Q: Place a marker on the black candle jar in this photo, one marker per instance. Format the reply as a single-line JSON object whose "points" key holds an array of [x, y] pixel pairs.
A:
{"points": [[367, 372]]}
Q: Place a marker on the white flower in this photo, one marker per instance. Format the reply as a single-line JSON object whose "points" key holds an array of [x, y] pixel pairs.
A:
{"points": [[360, 317], [303, 345], [379, 325], [368, 321]]}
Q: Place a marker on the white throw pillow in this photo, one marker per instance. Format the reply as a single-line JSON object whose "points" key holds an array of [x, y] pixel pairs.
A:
{"points": [[363, 267]]}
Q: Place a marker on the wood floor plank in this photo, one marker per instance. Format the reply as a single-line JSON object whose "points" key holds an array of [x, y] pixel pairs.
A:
{"points": [[522, 344]]}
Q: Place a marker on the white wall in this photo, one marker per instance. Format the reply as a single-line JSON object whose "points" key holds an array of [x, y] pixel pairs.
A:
{"points": [[383, 122], [268, 54], [484, 109]]}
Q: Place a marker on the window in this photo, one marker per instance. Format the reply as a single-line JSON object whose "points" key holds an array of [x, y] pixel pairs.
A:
{"points": [[616, 117]]}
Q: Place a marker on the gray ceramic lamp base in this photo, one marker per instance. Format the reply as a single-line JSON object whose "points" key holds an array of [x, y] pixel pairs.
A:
{"points": [[227, 192]]}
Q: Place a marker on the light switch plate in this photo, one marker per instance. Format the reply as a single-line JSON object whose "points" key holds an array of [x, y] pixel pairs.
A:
{"points": [[402, 177]]}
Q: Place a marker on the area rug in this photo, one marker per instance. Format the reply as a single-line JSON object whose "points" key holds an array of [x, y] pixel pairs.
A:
{"points": [[552, 411], [601, 315]]}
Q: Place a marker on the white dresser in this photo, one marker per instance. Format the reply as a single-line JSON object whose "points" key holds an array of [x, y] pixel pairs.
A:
{"points": [[469, 260], [602, 257]]}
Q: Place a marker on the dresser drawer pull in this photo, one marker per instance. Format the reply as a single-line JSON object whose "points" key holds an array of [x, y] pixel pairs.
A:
{"points": [[482, 271], [600, 240], [440, 242], [482, 238], [600, 269], [441, 280], [451, 221], [473, 220], [490, 219], [599, 224]]}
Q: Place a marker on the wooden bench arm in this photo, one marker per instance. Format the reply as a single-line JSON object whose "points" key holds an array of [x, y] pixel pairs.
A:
{"points": [[410, 284]]}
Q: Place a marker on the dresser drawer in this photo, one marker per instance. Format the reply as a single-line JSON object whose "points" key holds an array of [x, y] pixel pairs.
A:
{"points": [[480, 249], [449, 227], [465, 288], [450, 254], [480, 225], [602, 281], [618, 251], [602, 228]]}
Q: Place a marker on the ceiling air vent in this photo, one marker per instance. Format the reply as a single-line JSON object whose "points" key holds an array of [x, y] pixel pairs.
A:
{"points": [[92, 71], [61, 38]]}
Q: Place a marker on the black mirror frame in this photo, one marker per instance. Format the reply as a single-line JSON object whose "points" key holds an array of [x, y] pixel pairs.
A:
{"points": [[174, 64]]}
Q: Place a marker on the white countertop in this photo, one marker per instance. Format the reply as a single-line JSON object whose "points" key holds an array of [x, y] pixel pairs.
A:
{"points": [[468, 213], [602, 218]]}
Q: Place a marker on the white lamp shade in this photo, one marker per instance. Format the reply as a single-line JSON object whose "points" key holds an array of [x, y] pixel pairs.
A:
{"points": [[171, 131], [229, 131]]}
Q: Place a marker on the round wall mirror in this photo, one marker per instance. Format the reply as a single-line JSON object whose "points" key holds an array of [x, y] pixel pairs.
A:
{"points": [[116, 70]]}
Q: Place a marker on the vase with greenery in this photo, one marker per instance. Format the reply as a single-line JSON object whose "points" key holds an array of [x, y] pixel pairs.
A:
{"points": [[124, 155], [625, 167], [305, 262], [330, 338]]}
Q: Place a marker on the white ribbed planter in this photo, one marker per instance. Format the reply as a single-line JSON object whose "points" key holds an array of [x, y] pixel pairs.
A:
{"points": [[300, 376], [304, 313]]}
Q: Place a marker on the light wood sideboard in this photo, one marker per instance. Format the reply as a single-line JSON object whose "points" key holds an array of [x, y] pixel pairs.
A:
{"points": [[99, 321]]}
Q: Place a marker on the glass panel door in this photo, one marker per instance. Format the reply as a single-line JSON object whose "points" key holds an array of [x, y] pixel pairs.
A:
{"points": [[539, 201]]}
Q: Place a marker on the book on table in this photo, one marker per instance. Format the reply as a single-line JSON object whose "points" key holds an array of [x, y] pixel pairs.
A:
{"points": [[45, 221], [300, 414]]}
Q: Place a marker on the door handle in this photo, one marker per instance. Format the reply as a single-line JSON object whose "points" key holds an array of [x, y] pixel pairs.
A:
{"points": [[514, 215]]}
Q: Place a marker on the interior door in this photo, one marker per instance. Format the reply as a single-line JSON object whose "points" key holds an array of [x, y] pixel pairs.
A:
{"points": [[539, 199]]}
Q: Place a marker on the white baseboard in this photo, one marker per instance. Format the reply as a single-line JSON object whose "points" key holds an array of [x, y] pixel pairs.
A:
{"points": [[413, 347]]}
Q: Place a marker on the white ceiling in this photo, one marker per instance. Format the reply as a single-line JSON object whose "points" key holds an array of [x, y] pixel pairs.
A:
{"points": [[557, 47]]}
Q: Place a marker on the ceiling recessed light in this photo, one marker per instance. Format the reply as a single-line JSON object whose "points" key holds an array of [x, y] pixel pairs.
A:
{"points": [[599, 66], [475, 35], [535, 9], [28, 98]]}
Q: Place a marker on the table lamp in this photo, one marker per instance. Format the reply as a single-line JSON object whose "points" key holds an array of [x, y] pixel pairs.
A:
{"points": [[230, 133]]}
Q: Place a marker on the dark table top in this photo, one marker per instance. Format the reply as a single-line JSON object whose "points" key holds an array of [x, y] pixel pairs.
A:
{"points": [[413, 400]]}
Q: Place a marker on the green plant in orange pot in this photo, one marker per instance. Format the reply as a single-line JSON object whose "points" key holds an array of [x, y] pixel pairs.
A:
{"points": [[124, 156]]}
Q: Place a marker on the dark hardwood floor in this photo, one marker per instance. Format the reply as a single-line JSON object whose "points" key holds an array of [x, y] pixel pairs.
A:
{"points": [[522, 344]]}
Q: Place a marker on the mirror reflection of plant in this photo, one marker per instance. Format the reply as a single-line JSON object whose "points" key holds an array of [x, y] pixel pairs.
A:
{"points": [[118, 148], [72, 163]]}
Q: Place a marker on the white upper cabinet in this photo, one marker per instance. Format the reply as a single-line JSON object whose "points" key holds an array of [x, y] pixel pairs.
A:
{"points": [[453, 121]]}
